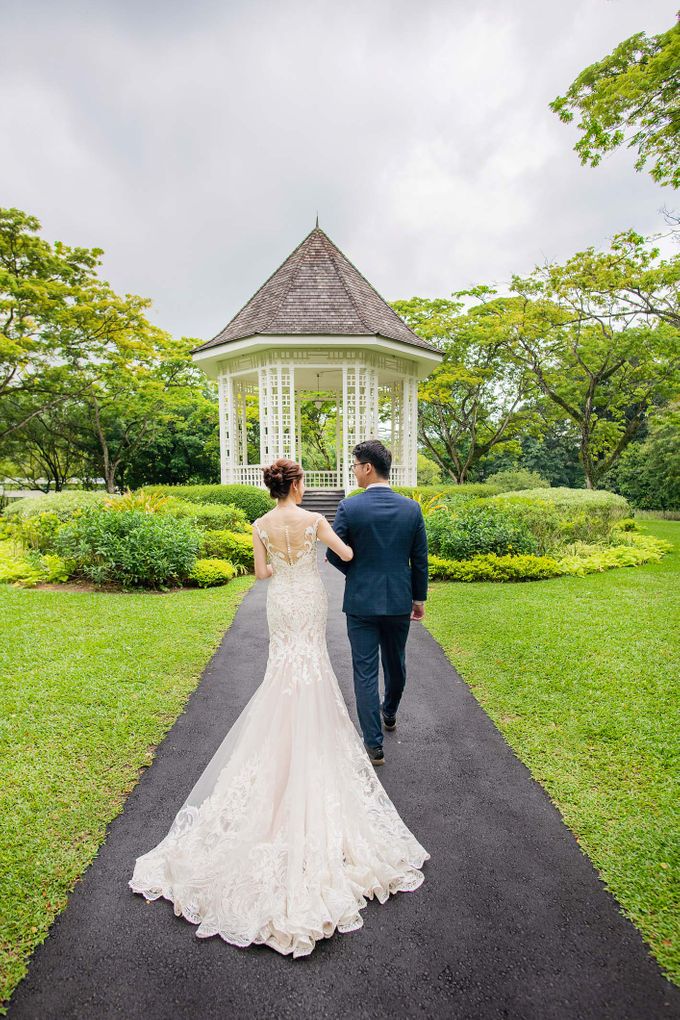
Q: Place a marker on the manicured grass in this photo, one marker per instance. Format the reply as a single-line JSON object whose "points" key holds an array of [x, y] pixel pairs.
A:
{"points": [[581, 677], [90, 685]]}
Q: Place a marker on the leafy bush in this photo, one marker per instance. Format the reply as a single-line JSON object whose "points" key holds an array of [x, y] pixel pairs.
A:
{"points": [[207, 573], [253, 501], [63, 504], [131, 548], [228, 545], [521, 478], [475, 529], [209, 516]]}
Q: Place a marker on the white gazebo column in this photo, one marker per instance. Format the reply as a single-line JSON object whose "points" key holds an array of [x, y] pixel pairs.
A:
{"points": [[228, 427], [359, 412], [409, 439], [397, 429], [241, 389], [277, 412]]}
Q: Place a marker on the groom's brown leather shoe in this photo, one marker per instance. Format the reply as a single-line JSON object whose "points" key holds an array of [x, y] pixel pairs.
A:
{"points": [[389, 722], [377, 755]]}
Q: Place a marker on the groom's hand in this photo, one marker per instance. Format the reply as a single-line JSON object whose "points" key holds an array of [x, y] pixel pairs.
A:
{"points": [[418, 611]]}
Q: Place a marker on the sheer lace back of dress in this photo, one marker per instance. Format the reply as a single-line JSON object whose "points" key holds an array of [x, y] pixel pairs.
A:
{"points": [[288, 538]]}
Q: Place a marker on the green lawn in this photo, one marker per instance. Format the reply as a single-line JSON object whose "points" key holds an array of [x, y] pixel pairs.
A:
{"points": [[90, 685], [581, 677]]}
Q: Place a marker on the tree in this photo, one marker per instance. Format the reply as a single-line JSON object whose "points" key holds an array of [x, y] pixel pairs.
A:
{"points": [[181, 446], [602, 342], [477, 398], [124, 404], [59, 323], [631, 96], [318, 434], [648, 472]]}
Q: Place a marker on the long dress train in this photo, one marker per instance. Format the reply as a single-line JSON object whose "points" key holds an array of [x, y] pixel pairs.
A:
{"points": [[287, 832]]}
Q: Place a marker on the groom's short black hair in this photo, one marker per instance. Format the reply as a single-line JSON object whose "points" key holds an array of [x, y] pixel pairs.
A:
{"points": [[372, 451]]}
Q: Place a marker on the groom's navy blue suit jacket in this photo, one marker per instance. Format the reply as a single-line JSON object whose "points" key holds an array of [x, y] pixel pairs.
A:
{"points": [[389, 570]]}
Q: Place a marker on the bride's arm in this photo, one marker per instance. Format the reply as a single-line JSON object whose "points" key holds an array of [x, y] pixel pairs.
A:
{"points": [[263, 570], [333, 541]]}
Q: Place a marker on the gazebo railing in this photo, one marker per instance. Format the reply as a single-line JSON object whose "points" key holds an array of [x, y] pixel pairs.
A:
{"points": [[251, 474]]}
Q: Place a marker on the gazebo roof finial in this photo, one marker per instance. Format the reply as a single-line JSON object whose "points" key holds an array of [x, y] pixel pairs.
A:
{"points": [[317, 220]]}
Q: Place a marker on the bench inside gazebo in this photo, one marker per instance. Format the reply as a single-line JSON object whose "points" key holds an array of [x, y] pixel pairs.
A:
{"points": [[317, 330]]}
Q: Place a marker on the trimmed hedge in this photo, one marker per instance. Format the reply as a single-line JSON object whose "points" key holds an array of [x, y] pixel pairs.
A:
{"points": [[228, 545], [209, 516], [450, 494], [207, 573], [63, 504], [253, 501], [560, 515], [491, 567]]}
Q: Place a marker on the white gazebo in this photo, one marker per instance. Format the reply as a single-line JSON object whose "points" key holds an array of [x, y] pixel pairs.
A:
{"points": [[317, 328]]}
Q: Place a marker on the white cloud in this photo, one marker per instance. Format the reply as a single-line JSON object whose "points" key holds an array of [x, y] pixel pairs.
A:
{"points": [[195, 142]]}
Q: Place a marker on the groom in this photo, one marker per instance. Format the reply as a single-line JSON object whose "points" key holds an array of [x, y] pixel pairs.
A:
{"points": [[385, 587]]}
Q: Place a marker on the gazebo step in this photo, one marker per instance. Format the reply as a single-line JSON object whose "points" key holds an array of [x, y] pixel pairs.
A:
{"points": [[323, 501]]}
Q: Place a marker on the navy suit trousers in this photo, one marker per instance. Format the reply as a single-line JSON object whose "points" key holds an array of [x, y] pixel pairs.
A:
{"points": [[368, 637]]}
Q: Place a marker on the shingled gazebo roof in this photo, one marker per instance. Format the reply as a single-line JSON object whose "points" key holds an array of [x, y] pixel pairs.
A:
{"points": [[317, 291]]}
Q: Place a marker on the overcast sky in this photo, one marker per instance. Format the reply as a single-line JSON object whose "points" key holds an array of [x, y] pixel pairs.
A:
{"points": [[195, 141]]}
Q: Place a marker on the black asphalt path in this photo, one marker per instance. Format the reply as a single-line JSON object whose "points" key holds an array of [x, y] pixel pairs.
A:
{"points": [[511, 922]]}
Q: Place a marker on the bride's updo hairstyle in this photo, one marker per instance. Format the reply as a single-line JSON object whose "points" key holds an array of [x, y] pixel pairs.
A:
{"points": [[280, 475]]}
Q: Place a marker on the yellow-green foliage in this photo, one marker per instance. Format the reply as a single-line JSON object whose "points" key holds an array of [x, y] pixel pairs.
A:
{"points": [[212, 571], [228, 545], [35, 532], [639, 549], [149, 502], [491, 567], [579, 559], [25, 570]]}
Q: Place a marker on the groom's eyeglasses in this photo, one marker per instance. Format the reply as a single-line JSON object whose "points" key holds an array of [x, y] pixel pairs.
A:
{"points": [[358, 463]]}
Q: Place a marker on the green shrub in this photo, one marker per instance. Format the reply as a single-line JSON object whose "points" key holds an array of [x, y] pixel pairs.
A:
{"points": [[512, 481], [131, 547], [228, 545], [209, 516], [63, 504], [491, 567], [207, 573], [253, 501], [475, 529]]}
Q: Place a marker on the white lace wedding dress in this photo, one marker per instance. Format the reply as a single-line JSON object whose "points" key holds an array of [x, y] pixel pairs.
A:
{"points": [[288, 831]]}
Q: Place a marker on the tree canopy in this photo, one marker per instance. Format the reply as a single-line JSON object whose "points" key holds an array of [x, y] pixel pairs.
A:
{"points": [[631, 97]]}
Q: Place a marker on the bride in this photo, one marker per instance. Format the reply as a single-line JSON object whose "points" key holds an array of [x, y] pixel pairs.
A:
{"points": [[287, 832]]}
